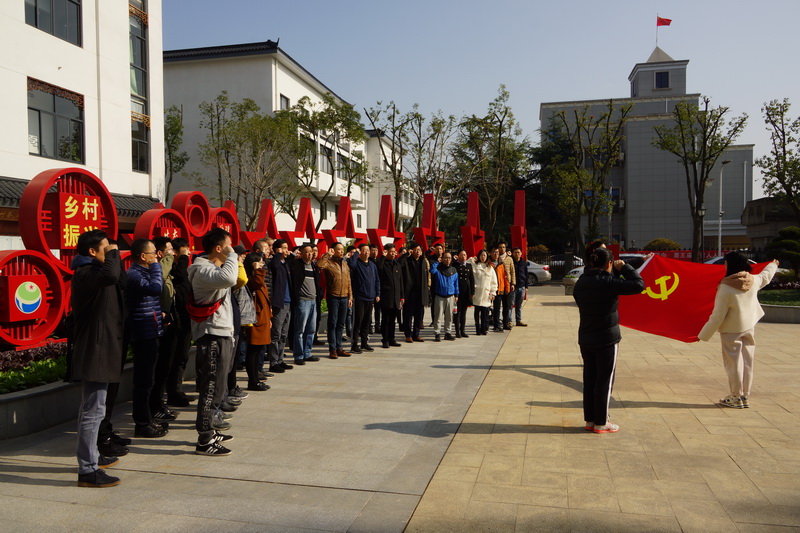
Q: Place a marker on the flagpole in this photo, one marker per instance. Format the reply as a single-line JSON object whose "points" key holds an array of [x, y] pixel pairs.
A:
{"points": [[657, 15]]}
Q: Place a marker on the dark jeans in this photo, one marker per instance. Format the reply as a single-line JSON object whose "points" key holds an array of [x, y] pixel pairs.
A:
{"points": [[145, 354], [251, 363], [90, 414], [412, 318], [508, 300], [183, 341], [280, 332], [389, 316], [361, 316], [166, 351], [481, 319], [496, 314], [599, 366], [337, 314], [213, 356], [519, 300], [462, 304]]}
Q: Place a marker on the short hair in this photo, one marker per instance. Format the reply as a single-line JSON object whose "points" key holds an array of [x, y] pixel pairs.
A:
{"points": [[180, 242], [387, 247], [373, 246], [514, 249], [461, 250], [161, 243], [438, 244], [600, 257], [411, 245], [215, 237], [257, 245], [736, 262], [349, 248], [138, 247], [306, 245], [334, 245], [363, 244], [90, 239], [493, 248], [278, 244], [447, 253], [501, 242]]}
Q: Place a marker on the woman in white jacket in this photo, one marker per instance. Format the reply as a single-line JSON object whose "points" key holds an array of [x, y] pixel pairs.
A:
{"points": [[736, 312], [485, 289]]}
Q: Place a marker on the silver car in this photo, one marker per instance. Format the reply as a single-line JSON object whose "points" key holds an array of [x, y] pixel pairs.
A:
{"points": [[538, 273]]}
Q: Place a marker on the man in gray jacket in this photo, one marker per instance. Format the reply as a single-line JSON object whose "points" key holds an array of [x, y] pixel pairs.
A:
{"points": [[212, 329]]}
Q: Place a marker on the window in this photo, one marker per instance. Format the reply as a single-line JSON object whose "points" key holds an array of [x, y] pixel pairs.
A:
{"points": [[55, 122], [325, 157], [358, 220], [61, 18], [140, 121], [285, 103], [633, 89], [662, 80]]}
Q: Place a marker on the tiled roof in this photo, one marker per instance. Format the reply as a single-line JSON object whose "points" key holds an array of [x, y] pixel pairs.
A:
{"points": [[127, 205], [230, 50]]}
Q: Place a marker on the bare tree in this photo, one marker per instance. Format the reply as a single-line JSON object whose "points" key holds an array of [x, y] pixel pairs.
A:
{"points": [[781, 168]]}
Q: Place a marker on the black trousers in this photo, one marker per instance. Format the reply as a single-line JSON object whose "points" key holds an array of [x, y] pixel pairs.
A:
{"points": [[460, 319], [166, 352], [508, 303], [182, 343], [145, 354], [389, 317], [481, 319], [361, 316], [497, 316], [412, 318], [599, 367]]}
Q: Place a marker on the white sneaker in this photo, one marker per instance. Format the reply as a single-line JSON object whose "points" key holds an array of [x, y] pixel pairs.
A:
{"points": [[732, 401]]}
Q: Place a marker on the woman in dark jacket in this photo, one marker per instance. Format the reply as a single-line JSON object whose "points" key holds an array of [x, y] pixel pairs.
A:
{"points": [[596, 294], [259, 333]]}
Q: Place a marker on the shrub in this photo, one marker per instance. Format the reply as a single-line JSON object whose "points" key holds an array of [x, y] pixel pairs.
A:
{"points": [[662, 244], [786, 246], [15, 360], [35, 374], [540, 249]]}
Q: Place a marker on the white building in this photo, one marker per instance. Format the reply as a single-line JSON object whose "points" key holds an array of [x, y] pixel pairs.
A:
{"points": [[82, 86], [381, 181], [266, 74]]}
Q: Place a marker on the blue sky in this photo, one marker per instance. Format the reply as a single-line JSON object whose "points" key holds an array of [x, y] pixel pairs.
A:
{"points": [[453, 55]]}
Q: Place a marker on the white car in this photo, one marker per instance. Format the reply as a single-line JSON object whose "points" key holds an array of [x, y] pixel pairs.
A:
{"points": [[538, 273], [571, 278]]}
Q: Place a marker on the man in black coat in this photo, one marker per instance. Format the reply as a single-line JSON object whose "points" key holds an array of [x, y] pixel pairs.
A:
{"points": [[97, 307], [466, 290], [417, 285], [392, 293]]}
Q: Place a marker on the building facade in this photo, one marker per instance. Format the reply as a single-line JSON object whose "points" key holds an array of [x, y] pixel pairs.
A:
{"points": [[81, 81], [649, 184], [381, 182]]}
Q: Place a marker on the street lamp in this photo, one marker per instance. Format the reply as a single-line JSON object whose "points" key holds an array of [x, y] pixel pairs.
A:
{"points": [[721, 212], [702, 213]]}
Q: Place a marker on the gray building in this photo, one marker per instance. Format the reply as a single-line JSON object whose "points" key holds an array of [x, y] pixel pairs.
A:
{"points": [[649, 185]]}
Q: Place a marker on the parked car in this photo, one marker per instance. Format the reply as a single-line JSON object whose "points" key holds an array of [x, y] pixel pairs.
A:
{"points": [[571, 278], [720, 259], [560, 259], [538, 273], [635, 260]]}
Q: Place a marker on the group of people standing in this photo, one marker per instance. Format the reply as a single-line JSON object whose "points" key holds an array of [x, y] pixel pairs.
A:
{"points": [[244, 310]]}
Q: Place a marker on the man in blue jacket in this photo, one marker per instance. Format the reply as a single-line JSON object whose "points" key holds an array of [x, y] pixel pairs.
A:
{"points": [[142, 292], [366, 292], [444, 277]]}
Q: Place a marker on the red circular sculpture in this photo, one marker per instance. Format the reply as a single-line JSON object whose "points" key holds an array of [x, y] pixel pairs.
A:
{"points": [[161, 223], [32, 294], [66, 202], [225, 218], [196, 211]]}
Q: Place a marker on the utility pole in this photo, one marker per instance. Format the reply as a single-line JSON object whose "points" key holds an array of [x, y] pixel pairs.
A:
{"points": [[721, 212]]}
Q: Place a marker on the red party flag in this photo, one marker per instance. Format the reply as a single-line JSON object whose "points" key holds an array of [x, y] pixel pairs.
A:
{"points": [[663, 22], [677, 300]]}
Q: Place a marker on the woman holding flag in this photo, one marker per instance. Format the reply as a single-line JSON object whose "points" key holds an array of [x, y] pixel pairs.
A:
{"points": [[596, 294], [736, 312]]}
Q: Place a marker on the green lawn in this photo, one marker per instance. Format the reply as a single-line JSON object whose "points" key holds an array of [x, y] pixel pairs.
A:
{"points": [[785, 297]]}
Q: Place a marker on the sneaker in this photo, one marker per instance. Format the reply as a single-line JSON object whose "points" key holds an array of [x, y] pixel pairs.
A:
{"points": [[221, 437], [219, 423], [104, 462], [745, 402], [97, 479], [224, 415], [150, 431], [285, 366], [165, 416], [109, 448], [608, 428], [233, 400], [260, 386], [732, 401], [355, 349], [237, 392], [211, 448], [437, 338], [227, 407], [589, 426]]}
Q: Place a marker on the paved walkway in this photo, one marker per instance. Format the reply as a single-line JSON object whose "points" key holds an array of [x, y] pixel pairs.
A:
{"points": [[461, 437]]}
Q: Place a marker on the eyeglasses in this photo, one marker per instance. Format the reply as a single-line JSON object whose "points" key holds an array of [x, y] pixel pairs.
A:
{"points": [[149, 253]]}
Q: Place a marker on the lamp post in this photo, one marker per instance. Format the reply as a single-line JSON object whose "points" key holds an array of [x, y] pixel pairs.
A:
{"points": [[721, 212], [702, 213]]}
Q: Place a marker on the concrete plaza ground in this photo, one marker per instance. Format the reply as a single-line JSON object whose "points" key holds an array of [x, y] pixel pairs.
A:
{"points": [[481, 434]]}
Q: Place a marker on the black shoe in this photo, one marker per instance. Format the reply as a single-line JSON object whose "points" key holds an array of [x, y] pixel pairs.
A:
{"points": [[104, 462], [498, 330], [367, 348], [220, 437], [227, 407], [437, 338], [267, 375], [458, 334], [262, 376], [150, 431], [239, 367], [109, 448], [385, 344], [318, 342], [313, 359], [299, 362], [97, 479], [464, 336], [233, 400], [285, 366], [277, 369], [178, 401], [394, 343], [122, 441], [449, 337], [237, 393], [212, 447], [355, 349], [165, 415], [260, 386]]}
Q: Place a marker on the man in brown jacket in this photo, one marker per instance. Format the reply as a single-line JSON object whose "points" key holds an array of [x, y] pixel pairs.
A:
{"points": [[511, 277], [339, 294]]}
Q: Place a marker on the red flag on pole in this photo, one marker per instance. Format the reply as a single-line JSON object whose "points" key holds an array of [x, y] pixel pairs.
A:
{"points": [[663, 22], [677, 300]]}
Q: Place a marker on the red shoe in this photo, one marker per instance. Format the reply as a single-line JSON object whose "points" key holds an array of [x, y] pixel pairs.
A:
{"points": [[608, 428]]}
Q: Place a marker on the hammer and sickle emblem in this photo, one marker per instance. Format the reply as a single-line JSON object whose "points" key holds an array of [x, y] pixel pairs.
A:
{"points": [[663, 292]]}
